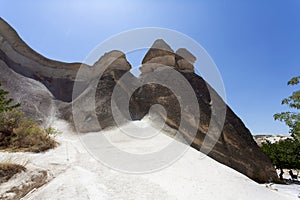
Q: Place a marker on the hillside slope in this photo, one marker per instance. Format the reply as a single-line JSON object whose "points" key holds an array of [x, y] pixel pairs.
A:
{"points": [[77, 175]]}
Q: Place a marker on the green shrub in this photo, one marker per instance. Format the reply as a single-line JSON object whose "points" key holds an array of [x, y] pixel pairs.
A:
{"points": [[52, 131], [10, 120], [284, 154]]}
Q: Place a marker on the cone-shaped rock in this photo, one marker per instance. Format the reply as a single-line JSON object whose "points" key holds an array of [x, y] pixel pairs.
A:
{"points": [[161, 53]]}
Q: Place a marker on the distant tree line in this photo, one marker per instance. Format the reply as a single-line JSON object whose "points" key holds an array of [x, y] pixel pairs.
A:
{"points": [[284, 154]]}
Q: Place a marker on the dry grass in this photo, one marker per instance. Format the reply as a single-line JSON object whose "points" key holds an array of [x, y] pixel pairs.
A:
{"points": [[8, 170], [18, 133]]}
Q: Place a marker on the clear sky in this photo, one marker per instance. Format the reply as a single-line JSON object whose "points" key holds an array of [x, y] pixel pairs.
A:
{"points": [[254, 43]]}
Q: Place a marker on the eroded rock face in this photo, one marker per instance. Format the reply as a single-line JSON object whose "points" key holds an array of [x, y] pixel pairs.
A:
{"points": [[185, 60], [25, 61], [23, 184], [92, 109], [36, 100], [235, 147], [111, 61], [161, 53], [159, 49]]}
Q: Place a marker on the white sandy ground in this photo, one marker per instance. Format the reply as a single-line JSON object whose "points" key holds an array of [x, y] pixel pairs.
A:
{"points": [[77, 175]]}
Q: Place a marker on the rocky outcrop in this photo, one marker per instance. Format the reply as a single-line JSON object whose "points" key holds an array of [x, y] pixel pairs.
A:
{"points": [[160, 55], [112, 61], [235, 146], [92, 103], [21, 184], [185, 60], [25, 61], [108, 70], [36, 100]]}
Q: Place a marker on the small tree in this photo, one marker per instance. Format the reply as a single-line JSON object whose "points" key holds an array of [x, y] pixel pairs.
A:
{"points": [[292, 118], [5, 103]]}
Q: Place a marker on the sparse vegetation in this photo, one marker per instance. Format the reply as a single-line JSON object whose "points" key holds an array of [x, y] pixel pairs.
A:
{"points": [[18, 133], [52, 131], [8, 170]]}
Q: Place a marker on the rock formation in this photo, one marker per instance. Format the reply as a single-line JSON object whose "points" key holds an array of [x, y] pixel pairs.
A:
{"points": [[235, 147], [25, 61], [20, 64], [99, 92], [185, 60], [36, 99]]}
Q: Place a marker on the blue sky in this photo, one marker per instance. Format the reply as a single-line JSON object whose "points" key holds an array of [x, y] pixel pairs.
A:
{"points": [[254, 43]]}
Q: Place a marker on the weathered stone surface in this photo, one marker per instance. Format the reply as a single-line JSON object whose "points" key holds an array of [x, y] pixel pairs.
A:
{"points": [[36, 100], [235, 147], [91, 111], [160, 53], [22, 183], [185, 54], [168, 60], [113, 60], [184, 66], [93, 107], [58, 77], [158, 49], [150, 67], [185, 60]]}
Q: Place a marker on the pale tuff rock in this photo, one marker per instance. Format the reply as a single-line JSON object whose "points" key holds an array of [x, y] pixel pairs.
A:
{"points": [[36, 100], [110, 61], [20, 65], [160, 53]]}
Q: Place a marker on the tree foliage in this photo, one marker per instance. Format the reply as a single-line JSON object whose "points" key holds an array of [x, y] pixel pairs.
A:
{"points": [[284, 154], [292, 118], [5, 103]]}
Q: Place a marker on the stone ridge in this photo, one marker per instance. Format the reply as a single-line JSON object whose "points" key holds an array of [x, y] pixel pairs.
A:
{"points": [[235, 148], [53, 74], [11, 36]]}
